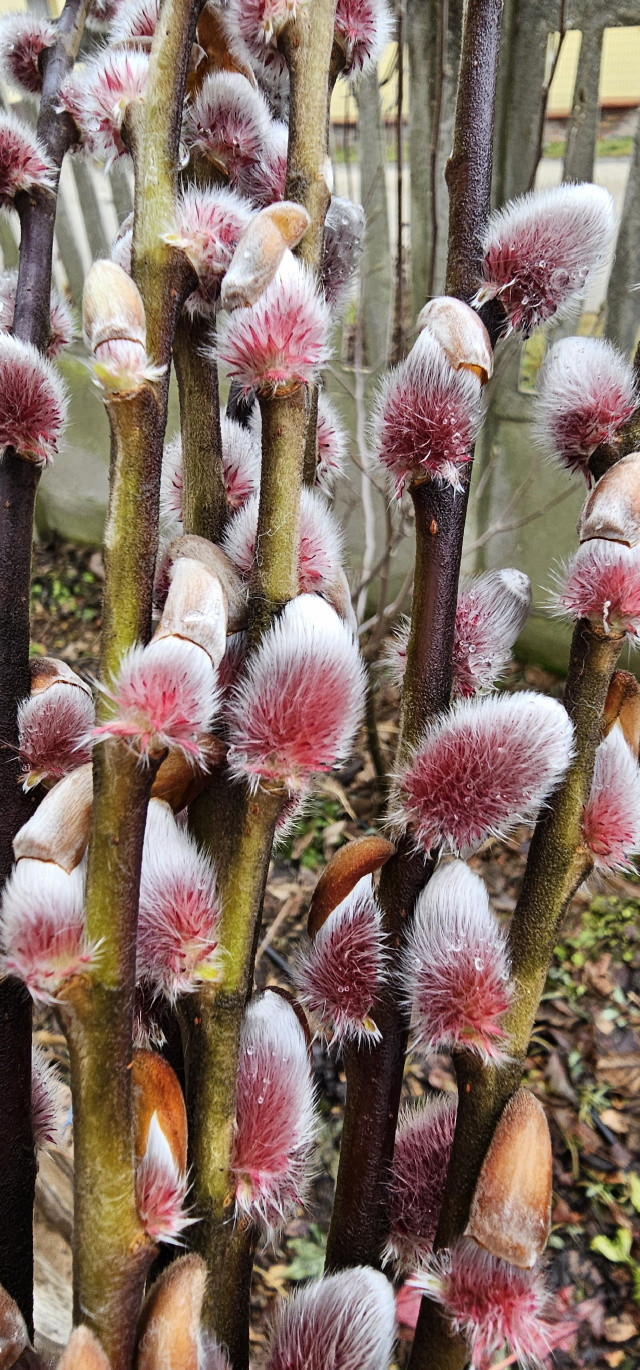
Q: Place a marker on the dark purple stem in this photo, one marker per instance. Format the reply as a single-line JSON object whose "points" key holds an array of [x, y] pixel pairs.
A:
{"points": [[18, 485], [374, 1075]]}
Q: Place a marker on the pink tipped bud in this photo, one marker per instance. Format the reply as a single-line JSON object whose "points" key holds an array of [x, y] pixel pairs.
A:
{"points": [[428, 417], [457, 967], [511, 1209], [101, 14], [240, 462], [134, 24], [262, 20], [340, 974], [240, 468], [24, 164], [612, 510], [281, 342], [540, 249], [61, 321], [261, 250], [343, 246], [320, 542], [342, 1322], [47, 1100], [602, 583], [228, 122], [461, 334], [586, 391], [495, 1305], [253, 27], [163, 696], [275, 1124], [483, 767], [298, 703], [42, 926], [114, 329], [178, 922], [98, 97], [264, 182], [490, 614], [332, 443], [362, 30], [33, 401], [611, 819], [54, 724], [23, 39], [161, 1189], [420, 1163], [208, 226]]}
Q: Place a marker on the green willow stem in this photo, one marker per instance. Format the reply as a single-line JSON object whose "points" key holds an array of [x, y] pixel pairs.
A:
{"points": [[238, 828], [314, 62], [111, 1251], [274, 579], [556, 866], [204, 502]]}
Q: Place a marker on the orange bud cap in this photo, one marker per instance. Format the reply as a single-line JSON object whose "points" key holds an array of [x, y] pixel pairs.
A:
{"points": [[83, 1352], [622, 707], [260, 250], [156, 1090], [511, 1209], [612, 509], [361, 857], [170, 1318], [461, 334]]}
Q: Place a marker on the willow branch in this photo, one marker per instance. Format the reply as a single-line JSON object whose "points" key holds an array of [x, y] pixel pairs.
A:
{"points": [[374, 1075], [314, 62], [18, 485], [111, 1251], [204, 501], [557, 864], [240, 825]]}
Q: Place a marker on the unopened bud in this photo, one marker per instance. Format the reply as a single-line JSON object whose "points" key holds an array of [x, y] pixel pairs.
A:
{"points": [[179, 781], [260, 251], [54, 723], [195, 609], [168, 1331], [511, 1209], [622, 707], [114, 328], [156, 1090], [83, 1352], [347, 866], [58, 831], [461, 334], [49, 670], [612, 509], [216, 561]]}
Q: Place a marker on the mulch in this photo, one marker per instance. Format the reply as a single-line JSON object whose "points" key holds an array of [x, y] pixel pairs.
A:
{"points": [[584, 1061]]}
